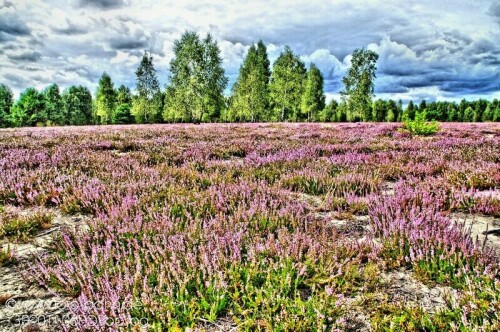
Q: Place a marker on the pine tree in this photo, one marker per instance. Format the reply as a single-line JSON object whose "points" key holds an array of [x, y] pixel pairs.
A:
{"points": [[410, 110], [313, 98], [469, 114], [123, 96], [287, 85], [453, 114], [77, 102], [122, 113], [359, 84], [379, 111], [147, 106], [105, 99], [488, 114], [399, 114], [342, 112], [54, 105], [496, 114], [6, 101], [29, 110], [423, 106], [390, 117]]}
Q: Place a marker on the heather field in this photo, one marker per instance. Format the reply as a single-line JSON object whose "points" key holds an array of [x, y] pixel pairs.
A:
{"points": [[269, 227]]}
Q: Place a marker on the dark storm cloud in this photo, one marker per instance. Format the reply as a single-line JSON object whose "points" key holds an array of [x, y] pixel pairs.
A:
{"points": [[5, 37], [127, 44], [103, 4], [495, 11], [14, 80], [333, 85], [405, 71], [391, 89], [466, 86], [427, 48], [13, 25], [6, 4], [26, 56]]}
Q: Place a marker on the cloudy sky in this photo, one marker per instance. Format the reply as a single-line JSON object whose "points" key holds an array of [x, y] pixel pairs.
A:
{"points": [[428, 49]]}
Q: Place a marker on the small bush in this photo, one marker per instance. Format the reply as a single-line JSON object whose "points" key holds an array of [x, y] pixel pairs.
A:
{"points": [[22, 228], [420, 126], [7, 257]]}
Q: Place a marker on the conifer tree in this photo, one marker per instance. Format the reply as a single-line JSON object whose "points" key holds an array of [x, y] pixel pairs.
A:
{"points": [[29, 110], [122, 114], [6, 101], [77, 101], [54, 105], [105, 99], [147, 106]]}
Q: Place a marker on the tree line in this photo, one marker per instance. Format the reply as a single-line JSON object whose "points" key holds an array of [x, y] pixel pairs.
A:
{"points": [[287, 91]]}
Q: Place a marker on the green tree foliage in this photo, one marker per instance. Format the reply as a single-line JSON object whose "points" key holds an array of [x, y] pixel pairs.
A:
{"points": [[359, 84], [410, 110], [29, 110], [54, 105], [379, 111], [287, 85], [420, 126], [197, 82], [313, 98], [469, 114], [392, 111], [77, 102], [342, 112], [495, 106], [496, 114], [146, 108], [386, 110], [423, 105], [452, 113], [487, 114], [250, 93], [329, 113], [105, 99], [122, 113], [399, 112], [6, 101], [123, 96]]}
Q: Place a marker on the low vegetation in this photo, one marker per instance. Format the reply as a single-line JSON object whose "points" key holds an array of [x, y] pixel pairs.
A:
{"points": [[269, 227], [7, 256], [21, 228], [420, 125]]}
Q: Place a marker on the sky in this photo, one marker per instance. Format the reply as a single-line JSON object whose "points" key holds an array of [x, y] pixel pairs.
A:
{"points": [[433, 50]]}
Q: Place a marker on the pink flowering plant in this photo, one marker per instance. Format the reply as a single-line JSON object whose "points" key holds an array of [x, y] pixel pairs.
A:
{"points": [[189, 226]]}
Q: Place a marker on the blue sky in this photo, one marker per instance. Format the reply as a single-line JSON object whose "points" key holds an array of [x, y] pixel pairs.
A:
{"points": [[428, 49]]}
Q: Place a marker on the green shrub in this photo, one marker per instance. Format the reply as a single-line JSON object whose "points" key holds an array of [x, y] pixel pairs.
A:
{"points": [[7, 256], [22, 228], [420, 126]]}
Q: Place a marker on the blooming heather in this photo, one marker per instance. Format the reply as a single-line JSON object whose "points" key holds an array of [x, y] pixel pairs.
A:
{"points": [[190, 224]]}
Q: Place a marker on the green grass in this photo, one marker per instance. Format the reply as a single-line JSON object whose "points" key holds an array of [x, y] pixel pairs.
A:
{"points": [[23, 228], [7, 257]]}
